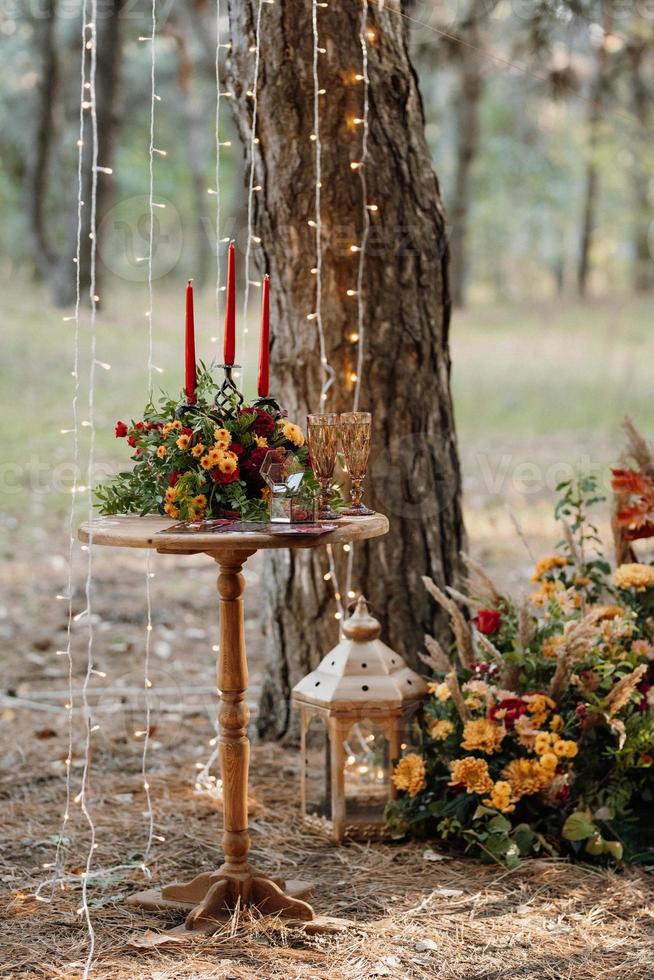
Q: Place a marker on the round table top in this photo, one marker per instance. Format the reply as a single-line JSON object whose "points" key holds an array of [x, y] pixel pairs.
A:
{"points": [[128, 531]]}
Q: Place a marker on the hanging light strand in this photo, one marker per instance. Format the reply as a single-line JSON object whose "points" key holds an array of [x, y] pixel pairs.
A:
{"points": [[82, 795], [365, 233], [254, 141], [58, 872], [151, 152], [148, 718], [327, 371], [218, 189]]}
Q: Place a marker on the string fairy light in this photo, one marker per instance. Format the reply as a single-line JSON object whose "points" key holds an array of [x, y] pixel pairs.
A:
{"points": [[147, 683], [81, 798], [358, 336], [252, 187], [218, 189], [58, 872], [327, 371]]}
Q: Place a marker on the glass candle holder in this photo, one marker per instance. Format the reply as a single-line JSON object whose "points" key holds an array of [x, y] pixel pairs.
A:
{"points": [[356, 430], [322, 440]]}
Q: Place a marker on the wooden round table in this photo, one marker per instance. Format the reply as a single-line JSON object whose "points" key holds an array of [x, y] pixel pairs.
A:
{"points": [[213, 895]]}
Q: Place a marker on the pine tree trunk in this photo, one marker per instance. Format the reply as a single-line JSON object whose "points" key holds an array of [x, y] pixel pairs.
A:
{"points": [[414, 471]]}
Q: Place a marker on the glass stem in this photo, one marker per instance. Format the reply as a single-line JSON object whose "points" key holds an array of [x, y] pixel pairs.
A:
{"points": [[356, 492]]}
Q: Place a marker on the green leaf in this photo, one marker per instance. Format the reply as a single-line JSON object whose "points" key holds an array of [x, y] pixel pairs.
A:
{"points": [[578, 826]]}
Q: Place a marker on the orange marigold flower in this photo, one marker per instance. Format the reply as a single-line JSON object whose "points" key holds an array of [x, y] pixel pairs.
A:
{"points": [[472, 773], [501, 797], [440, 728], [482, 735], [527, 776], [634, 576], [409, 774], [171, 510], [200, 500], [545, 565]]}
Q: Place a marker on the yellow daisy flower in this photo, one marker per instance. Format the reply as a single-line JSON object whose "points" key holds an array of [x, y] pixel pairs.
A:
{"points": [[182, 442], [162, 452], [197, 450]]}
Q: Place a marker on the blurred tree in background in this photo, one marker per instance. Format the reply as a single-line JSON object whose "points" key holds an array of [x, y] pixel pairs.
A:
{"points": [[538, 115]]}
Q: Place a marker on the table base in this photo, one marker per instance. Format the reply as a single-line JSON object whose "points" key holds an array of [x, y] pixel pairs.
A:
{"points": [[213, 896]]}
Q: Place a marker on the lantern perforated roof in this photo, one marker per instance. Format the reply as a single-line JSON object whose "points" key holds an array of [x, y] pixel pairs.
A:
{"points": [[361, 670]]}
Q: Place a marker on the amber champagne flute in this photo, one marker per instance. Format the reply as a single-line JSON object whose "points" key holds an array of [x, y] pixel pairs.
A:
{"points": [[322, 440], [355, 437]]}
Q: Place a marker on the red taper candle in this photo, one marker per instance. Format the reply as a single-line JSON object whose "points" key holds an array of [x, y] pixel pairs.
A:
{"points": [[264, 343], [191, 376], [230, 308]]}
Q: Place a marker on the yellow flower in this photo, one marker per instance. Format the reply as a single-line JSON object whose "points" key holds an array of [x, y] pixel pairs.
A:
{"points": [[197, 450], [473, 703], [291, 431], [527, 776], [608, 612], [500, 798], [227, 462], [549, 761], [440, 729], [634, 576], [222, 438], [200, 501], [162, 452], [441, 691], [261, 442], [171, 494], [545, 565], [539, 707], [543, 743], [182, 442], [556, 723], [565, 749], [552, 646], [545, 593], [471, 773], [206, 462], [409, 774], [171, 510], [482, 735]]}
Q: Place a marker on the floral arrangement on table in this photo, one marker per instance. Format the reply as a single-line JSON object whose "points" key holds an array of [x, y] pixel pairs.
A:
{"points": [[200, 456], [200, 465], [538, 736]]}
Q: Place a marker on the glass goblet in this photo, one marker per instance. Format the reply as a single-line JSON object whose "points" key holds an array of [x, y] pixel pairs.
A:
{"points": [[355, 437], [322, 440]]}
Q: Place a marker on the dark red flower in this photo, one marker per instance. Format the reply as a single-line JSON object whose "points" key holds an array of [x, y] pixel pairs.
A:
{"points": [[173, 478], [264, 423], [120, 430], [140, 426], [251, 466], [563, 794], [488, 621], [221, 477], [187, 432], [131, 441], [511, 709], [580, 710], [236, 448], [154, 425]]}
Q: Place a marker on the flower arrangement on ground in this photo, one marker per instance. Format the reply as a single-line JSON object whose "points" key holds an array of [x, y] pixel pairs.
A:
{"points": [[201, 464], [538, 736]]}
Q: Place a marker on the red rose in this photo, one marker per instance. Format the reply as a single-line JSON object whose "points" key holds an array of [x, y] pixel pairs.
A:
{"points": [[264, 423], [488, 621], [221, 477], [187, 432], [140, 426], [251, 466], [154, 425], [173, 478], [131, 441], [120, 430]]}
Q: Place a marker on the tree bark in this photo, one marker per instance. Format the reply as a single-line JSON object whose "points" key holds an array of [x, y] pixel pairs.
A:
{"points": [[109, 52], [414, 470]]}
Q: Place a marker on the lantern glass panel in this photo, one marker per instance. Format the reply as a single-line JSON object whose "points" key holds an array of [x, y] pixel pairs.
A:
{"points": [[367, 773], [317, 770]]}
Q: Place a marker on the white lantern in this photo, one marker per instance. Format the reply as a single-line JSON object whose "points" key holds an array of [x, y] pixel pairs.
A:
{"points": [[357, 711]]}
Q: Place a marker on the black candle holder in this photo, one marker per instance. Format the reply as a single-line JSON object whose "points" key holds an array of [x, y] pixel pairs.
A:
{"points": [[228, 398], [271, 404]]}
